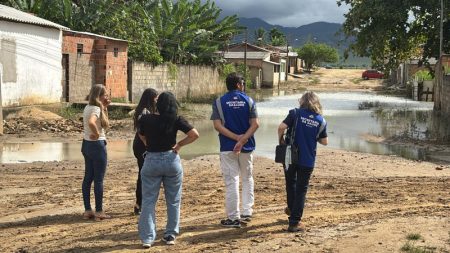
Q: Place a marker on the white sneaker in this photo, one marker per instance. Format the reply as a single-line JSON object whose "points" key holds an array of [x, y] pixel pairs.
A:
{"points": [[146, 245]]}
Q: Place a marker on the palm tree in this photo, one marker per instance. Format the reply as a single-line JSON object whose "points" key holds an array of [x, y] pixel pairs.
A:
{"points": [[260, 35]]}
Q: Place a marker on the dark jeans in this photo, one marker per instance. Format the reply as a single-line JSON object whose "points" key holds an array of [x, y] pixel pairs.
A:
{"points": [[297, 181], [95, 160], [138, 151]]}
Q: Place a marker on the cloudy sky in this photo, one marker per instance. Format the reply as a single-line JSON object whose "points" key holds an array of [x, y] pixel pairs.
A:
{"points": [[289, 13]]}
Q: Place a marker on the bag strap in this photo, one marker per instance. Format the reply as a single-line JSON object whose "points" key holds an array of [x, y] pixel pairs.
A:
{"points": [[294, 128], [219, 109]]}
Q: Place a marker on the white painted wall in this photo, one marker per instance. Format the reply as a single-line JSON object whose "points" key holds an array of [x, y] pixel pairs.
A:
{"points": [[38, 64]]}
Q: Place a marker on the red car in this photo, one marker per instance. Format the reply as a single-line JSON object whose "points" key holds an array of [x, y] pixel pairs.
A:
{"points": [[372, 73]]}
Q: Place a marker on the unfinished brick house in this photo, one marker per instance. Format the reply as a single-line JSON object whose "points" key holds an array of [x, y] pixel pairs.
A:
{"points": [[90, 59]]}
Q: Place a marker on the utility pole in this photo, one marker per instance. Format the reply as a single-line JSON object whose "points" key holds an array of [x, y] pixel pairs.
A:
{"points": [[245, 57], [287, 57], [441, 34]]}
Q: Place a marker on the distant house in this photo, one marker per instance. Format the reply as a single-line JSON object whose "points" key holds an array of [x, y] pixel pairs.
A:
{"points": [[408, 69], [93, 59], [30, 59], [267, 69], [294, 64]]}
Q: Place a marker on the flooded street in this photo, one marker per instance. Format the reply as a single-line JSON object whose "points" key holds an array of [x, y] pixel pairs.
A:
{"points": [[357, 121]]}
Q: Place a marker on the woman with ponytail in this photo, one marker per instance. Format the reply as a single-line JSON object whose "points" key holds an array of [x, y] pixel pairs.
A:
{"points": [[162, 164], [93, 148]]}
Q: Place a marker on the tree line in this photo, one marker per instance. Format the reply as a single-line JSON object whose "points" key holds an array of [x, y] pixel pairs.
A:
{"points": [[391, 32], [181, 32]]}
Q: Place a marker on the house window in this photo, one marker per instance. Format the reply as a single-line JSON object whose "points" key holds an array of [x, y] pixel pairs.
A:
{"points": [[79, 49], [276, 68], [116, 52]]}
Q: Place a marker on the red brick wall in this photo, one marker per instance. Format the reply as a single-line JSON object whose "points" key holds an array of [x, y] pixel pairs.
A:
{"points": [[108, 69], [116, 68]]}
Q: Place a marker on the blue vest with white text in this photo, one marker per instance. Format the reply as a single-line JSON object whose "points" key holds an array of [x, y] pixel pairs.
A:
{"points": [[236, 106], [309, 127]]}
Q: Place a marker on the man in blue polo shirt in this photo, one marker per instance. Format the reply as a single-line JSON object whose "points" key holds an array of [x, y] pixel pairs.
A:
{"points": [[235, 118]]}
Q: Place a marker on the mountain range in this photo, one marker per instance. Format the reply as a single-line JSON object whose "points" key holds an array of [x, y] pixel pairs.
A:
{"points": [[320, 32]]}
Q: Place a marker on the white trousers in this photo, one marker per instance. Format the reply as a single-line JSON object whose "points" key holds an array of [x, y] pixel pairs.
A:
{"points": [[235, 165]]}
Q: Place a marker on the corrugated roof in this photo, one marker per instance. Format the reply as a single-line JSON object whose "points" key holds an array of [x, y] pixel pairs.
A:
{"points": [[96, 35], [250, 55], [11, 14]]}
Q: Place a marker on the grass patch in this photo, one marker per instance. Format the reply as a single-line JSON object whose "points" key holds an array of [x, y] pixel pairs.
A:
{"points": [[70, 112], [413, 237], [356, 80], [118, 113], [411, 248], [368, 105], [314, 80]]}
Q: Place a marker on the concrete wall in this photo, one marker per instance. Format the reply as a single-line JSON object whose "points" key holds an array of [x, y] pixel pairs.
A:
{"points": [[270, 78], [30, 59], [191, 81], [445, 96], [81, 68]]}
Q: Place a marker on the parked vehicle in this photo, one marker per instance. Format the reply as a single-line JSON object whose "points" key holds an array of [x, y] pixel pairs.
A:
{"points": [[372, 73]]}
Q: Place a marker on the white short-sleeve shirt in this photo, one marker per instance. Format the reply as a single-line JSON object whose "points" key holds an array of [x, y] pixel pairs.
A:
{"points": [[88, 111]]}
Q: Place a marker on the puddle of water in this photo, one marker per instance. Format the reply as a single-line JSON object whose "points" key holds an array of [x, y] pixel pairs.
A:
{"points": [[346, 127]]}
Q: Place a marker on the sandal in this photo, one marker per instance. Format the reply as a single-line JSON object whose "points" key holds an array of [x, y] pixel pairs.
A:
{"points": [[88, 215], [101, 216]]}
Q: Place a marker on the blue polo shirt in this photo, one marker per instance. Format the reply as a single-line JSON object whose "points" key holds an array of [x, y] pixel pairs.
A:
{"points": [[310, 127], [238, 109]]}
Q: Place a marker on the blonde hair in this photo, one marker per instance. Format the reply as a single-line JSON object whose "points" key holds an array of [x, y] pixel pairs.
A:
{"points": [[310, 101], [97, 91]]}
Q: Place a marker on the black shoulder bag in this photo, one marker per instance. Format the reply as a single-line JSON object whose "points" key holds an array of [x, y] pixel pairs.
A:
{"points": [[288, 153]]}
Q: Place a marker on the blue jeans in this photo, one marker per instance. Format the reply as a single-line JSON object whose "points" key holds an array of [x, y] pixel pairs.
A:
{"points": [[297, 182], [95, 161], [160, 167]]}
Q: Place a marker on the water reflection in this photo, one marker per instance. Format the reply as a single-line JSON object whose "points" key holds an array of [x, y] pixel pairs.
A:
{"points": [[348, 128]]}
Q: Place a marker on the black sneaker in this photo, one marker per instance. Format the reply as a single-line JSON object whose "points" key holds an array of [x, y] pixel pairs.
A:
{"points": [[246, 218], [169, 239], [231, 223], [137, 210]]}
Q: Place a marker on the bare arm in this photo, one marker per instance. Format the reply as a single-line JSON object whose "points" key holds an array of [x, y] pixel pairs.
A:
{"points": [[281, 128], [142, 137], [323, 141], [254, 125], [224, 131], [93, 127], [191, 136]]}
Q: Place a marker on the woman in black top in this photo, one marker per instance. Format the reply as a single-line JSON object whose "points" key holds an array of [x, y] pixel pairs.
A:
{"points": [[147, 105], [162, 164]]}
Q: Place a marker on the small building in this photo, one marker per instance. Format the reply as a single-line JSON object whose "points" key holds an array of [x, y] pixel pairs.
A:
{"points": [[90, 59], [30, 59], [266, 67]]}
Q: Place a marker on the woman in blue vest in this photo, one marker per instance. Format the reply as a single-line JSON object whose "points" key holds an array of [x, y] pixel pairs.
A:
{"points": [[310, 128]]}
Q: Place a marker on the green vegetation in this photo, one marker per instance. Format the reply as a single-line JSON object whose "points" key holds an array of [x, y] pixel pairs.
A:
{"points": [[424, 75], [277, 38], [390, 32], [70, 112], [410, 247], [316, 53], [413, 237], [181, 32]]}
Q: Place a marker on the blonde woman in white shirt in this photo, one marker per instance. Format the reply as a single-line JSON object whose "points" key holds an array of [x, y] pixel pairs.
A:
{"points": [[95, 121]]}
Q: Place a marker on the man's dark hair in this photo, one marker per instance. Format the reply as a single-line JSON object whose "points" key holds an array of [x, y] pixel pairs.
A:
{"points": [[232, 80]]}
